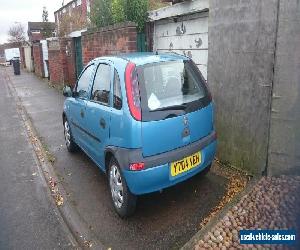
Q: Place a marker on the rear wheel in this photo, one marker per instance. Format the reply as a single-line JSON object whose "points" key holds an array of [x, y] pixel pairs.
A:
{"points": [[123, 200], [71, 145]]}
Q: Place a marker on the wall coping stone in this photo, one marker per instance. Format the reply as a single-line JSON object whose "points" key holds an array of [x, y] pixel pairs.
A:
{"points": [[117, 26]]}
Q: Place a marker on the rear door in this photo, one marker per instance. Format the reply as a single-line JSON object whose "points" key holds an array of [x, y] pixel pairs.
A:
{"points": [[98, 111], [176, 109]]}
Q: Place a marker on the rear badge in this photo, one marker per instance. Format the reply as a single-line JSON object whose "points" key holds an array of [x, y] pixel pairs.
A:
{"points": [[185, 121], [186, 130]]}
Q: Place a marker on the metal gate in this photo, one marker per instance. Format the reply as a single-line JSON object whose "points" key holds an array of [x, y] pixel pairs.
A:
{"points": [[141, 42], [78, 55]]}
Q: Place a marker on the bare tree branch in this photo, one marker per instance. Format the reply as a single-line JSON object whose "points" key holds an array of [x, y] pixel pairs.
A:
{"points": [[16, 33]]}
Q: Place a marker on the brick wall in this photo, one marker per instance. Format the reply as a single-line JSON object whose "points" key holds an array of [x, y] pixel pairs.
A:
{"points": [[61, 57], [114, 39], [38, 59], [56, 60], [55, 70], [106, 41]]}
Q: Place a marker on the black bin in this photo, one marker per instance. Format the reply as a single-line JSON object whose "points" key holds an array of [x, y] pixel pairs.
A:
{"points": [[16, 65]]}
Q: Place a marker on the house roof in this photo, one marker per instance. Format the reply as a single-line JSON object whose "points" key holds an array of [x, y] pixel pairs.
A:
{"points": [[40, 25]]}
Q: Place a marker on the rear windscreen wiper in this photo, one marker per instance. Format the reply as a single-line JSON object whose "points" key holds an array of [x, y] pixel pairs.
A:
{"points": [[175, 107]]}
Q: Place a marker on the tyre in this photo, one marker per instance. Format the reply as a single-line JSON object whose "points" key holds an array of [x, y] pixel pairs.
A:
{"points": [[71, 145], [123, 200]]}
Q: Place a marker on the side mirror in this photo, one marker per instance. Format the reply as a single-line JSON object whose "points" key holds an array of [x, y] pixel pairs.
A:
{"points": [[67, 92]]}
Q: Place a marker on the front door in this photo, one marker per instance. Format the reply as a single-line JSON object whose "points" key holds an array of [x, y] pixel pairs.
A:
{"points": [[78, 107], [98, 113]]}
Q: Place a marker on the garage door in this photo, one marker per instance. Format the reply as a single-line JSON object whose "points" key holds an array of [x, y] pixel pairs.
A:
{"points": [[186, 35]]}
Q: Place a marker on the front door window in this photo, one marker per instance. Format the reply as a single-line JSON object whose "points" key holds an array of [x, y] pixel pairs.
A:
{"points": [[84, 82], [101, 88]]}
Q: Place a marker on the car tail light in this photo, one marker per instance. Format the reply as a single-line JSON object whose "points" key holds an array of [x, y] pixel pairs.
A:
{"points": [[133, 91], [137, 166]]}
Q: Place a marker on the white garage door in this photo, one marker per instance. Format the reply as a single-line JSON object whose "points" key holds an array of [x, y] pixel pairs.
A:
{"points": [[186, 35]]}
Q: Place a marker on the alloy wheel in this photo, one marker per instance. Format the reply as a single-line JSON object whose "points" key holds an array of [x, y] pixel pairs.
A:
{"points": [[67, 134], [116, 186]]}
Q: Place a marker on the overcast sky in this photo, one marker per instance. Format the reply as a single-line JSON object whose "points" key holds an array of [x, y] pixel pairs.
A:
{"points": [[22, 11]]}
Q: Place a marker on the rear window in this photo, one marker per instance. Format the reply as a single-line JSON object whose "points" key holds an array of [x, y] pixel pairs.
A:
{"points": [[171, 89]]}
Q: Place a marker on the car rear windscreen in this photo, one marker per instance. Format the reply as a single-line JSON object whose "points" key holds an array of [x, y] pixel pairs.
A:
{"points": [[171, 88]]}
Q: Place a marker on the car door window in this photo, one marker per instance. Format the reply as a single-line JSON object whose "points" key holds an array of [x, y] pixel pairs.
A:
{"points": [[117, 91], [84, 82], [101, 88]]}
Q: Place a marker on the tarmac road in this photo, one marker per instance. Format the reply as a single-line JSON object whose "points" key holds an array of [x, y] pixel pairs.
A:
{"points": [[162, 220]]}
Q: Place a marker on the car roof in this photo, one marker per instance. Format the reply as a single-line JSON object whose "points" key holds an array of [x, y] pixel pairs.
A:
{"points": [[142, 58]]}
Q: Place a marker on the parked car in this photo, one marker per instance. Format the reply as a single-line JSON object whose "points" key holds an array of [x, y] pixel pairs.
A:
{"points": [[145, 119]]}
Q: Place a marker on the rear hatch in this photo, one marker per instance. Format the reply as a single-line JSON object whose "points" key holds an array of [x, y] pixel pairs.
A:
{"points": [[175, 104]]}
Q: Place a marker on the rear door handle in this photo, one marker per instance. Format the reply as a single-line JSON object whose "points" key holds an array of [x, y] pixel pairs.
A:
{"points": [[102, 123]]}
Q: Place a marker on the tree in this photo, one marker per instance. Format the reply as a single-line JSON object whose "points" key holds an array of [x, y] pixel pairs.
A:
{"points": [[101, 13], [16, 33], [45, 14], [107, 12], [136, 11], [47, 27], [118, 11]]}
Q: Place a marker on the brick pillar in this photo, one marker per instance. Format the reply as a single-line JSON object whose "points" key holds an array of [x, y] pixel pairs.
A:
{"points": [[38, 59]]}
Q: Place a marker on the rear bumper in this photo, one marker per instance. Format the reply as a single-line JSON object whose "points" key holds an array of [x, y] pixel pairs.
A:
{"points": [[158, 177]]}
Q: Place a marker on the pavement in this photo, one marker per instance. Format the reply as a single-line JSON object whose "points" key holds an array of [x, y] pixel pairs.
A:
{"points": [[162, 220], [28, 218]]}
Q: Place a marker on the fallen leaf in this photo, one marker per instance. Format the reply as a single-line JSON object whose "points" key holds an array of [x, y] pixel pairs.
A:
{"points": [[59, 200], [88, 243]]}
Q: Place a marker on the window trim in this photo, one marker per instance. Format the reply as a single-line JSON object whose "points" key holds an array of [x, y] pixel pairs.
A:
{"points": [[93, 83], [76, 86], [113, 94]]}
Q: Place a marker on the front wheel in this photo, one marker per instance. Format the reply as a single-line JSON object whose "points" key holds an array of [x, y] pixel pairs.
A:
{"points": [[71, 145], [123, 200]]}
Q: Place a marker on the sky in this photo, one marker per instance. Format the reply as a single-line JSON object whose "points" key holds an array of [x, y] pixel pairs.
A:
{"points": [[12, 11]]}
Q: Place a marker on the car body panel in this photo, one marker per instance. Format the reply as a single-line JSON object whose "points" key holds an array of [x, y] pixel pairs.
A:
{"points": [[165, 135]]}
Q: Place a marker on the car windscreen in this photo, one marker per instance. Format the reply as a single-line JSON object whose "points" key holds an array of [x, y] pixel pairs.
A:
{"points": [[170, 89]]}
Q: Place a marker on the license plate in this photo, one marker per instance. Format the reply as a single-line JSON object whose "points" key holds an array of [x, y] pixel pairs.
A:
{"points": [[185, 164]]}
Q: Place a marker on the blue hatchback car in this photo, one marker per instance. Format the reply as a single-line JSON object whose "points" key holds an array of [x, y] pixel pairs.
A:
{"points": [[145, 119]]}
